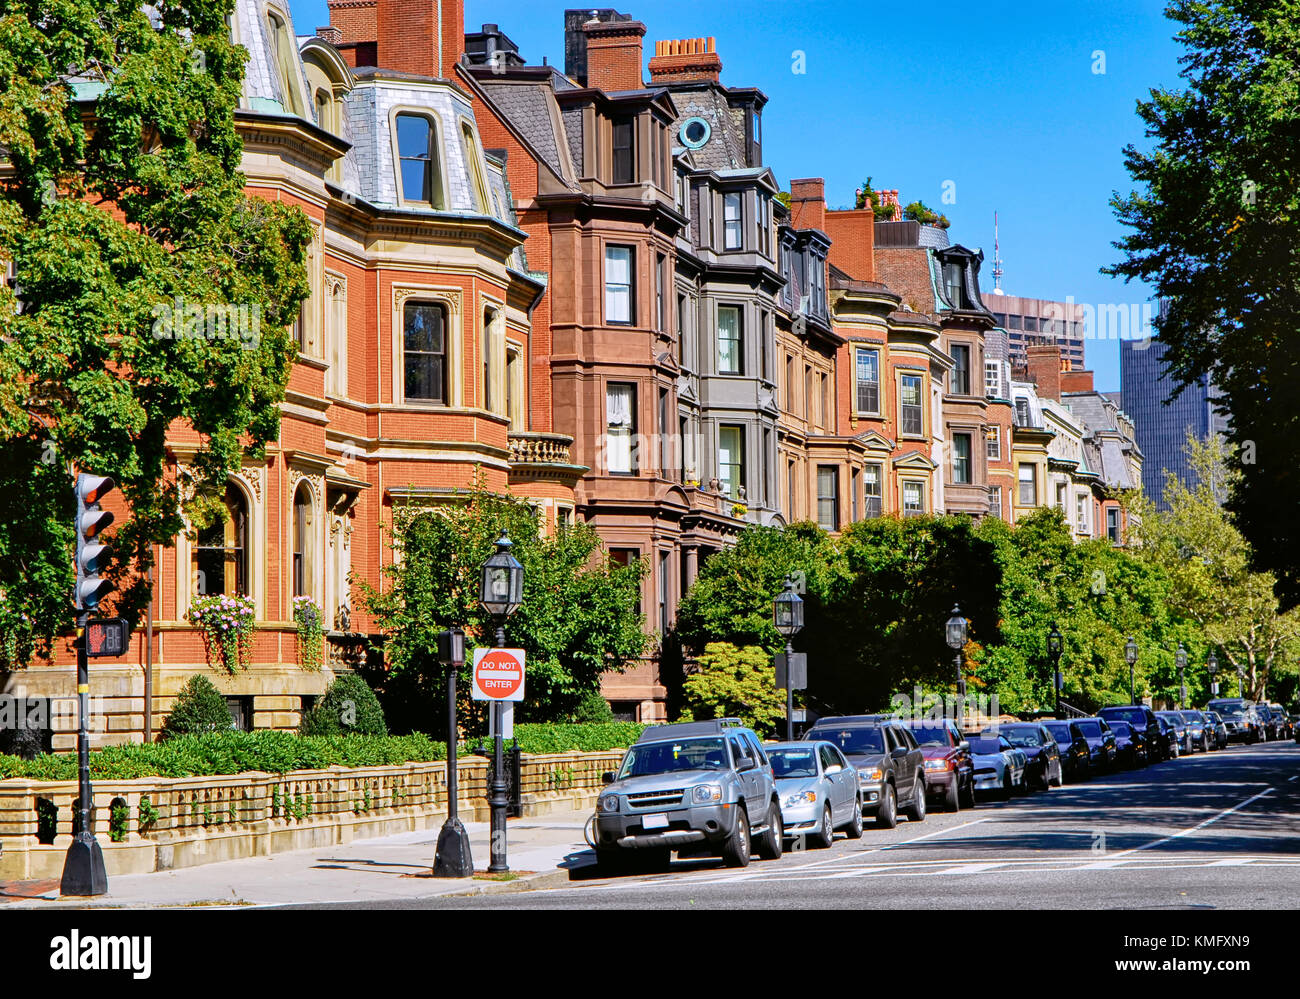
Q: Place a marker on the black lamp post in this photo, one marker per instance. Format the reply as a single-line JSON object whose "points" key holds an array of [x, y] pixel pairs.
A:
{"points": [[1131, 657], [1212, 667], [453, 858], [787, 615], [1180, 660], [955, 634], [501, 593], [1054, 650]]}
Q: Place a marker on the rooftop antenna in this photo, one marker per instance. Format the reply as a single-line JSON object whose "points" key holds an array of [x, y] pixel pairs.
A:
{"points": [[997, 259]]}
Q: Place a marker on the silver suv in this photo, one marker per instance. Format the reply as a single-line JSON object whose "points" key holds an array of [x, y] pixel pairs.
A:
{"points": [[693, 787]]}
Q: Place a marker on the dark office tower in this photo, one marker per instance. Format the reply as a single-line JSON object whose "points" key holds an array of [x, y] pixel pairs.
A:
{"points": [[1162, 429]]}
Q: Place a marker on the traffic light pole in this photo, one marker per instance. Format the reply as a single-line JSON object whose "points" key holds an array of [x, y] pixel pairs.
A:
{"points": [[83, 867]]}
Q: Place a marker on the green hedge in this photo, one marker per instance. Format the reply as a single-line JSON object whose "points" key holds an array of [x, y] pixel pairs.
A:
{"points": [[588, 738], [230, 753]]}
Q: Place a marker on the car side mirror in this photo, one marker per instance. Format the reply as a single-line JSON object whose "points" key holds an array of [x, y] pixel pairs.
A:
{"points": [[833, 769], [964, 746], [899, 753], [607, 777], [745, 763]]}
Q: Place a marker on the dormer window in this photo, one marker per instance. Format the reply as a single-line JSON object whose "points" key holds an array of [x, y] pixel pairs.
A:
{"points": [[624, 172], [285, 54], [419, 172], [469, 147], [952, 284]]}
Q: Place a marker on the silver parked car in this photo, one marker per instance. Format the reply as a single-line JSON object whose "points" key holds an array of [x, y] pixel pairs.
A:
{"points": [[818, 790], [999, 766]]}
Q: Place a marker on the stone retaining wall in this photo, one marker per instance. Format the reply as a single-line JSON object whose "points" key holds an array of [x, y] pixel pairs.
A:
{"points": [[201, 820]]}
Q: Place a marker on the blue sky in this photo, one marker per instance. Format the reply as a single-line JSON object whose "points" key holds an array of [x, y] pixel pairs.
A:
{"points": [[1002, 99]]}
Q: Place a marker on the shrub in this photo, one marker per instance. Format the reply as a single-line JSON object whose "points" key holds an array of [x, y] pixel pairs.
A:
{"points": [[349, 706], [737, 682], [593, 709], [199, 708], [587, 738]]}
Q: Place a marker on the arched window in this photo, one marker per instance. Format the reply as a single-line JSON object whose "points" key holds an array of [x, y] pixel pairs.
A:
{"points": [[424, 351], [469, 146], [220, 555], [285, 54], [419, 166], [324, 111], [303, 521]]}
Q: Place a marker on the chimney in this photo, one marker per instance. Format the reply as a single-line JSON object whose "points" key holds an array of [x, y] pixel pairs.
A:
{"points": [[614, 54], [329, 33], [808, 204], [1045, 368], [685, 59], [356, 21], [853, 242], [1076, 380], [424, 37]]}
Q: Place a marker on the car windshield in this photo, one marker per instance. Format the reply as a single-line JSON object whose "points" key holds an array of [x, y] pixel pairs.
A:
{"points": [[670, 757], [1023, 736], [985, 747], [1230, 710], [1128, 714], [1090, 729], [1191, 716], [1061, 733], [931, 735], [1173, 717], [855, 741], [793, 762], [1120, 728]]}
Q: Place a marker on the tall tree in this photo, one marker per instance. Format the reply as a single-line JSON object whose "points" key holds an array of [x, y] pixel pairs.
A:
{"points": [[1215, 219], [107, 227]]}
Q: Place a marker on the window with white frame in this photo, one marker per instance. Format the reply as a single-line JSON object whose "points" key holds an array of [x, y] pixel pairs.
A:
{"points": [[729, 340], [418, 159], [995, 501], [733, 235], [961, 459], [620, 427], [867, 372], [1112, 525], [913, 498], [992, 380], [1027, 479], [910, 406], [618, 284], [993, 436], [1081, 513], [872, 493], [731, 460]]}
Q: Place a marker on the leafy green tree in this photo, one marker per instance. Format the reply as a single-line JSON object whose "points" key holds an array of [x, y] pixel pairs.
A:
{"points": [[1215, 219], [731, 682], [917, 211], [199, 708], [348, 705], [105, 227], [1208, 562], [578, 621]]}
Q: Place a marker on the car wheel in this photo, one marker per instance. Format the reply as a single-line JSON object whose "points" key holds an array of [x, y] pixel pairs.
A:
{"points": [[952, 796], [854, 828], [968, 796], [1060, 775], [887, 815], [773, 839], [736, 851], [916, 811], [1005, 793], [825, 834]]}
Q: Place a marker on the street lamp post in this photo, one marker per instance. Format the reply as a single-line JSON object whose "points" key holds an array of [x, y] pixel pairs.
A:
{"points": [[1180, 660], [1054, 650], [501, 593], [1131, 657], [787, 615], [956, 636], [453, 858], [1212, 667], [1241, 679]]}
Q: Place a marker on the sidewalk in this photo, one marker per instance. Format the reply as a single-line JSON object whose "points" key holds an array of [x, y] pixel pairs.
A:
{"points": [[541, 851]]}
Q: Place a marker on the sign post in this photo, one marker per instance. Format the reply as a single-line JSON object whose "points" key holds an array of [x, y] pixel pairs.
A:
{"points": [[499, 678], [453, 858]]}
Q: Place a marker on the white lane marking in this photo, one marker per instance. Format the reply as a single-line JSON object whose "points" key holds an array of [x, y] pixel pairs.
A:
{"points": [[1196, 828], [1232, 862], [970, 868]]}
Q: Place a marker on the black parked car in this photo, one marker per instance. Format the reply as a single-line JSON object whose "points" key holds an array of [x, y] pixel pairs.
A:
{"points": [[1101, 743], [1197, 731], [1073, 749], [1043, 767], [1143, 721], [1130, 744], [1269, 722], [1215, 724], [1176, 719], [1169, 735], [1239, 718], [890, 765]]}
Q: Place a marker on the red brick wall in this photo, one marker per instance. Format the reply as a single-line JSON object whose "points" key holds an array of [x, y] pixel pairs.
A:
{"points": [[409, 40], [808, 204], [853, 242], [1076, 381], [614, 54], [1045, 370], [907, 272], [357, 19], [685, 59]]}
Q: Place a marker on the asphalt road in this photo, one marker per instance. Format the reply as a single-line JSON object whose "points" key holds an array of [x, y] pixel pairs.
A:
{"points": [[1208, 831]]}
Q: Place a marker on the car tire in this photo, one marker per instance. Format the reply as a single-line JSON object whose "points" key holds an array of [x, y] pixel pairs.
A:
{"points": [[825, 834], [854, 829], [1007, 785], [952, 796], [916, 811], [887, 814], [1060, 775], [737, 849], [967, 797], [771, 843]]}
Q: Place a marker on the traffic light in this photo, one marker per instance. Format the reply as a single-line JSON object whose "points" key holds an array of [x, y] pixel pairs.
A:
{"points": [[91, 554]]}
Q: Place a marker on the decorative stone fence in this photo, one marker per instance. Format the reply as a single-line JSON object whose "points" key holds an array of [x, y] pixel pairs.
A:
{"points": [[161, 823]]}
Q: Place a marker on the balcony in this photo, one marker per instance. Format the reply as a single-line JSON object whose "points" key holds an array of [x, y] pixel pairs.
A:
{"points": [[535, 456]]}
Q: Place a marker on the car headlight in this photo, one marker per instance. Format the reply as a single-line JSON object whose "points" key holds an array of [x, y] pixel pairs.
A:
{"points": [[801, 798], [938, 764], [870, 775], [707, 792], [608, 803]]}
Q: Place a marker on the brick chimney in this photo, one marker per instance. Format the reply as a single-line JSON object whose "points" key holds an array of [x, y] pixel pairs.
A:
{"points": [[614, 54], [853, 242], [1077, 380], [808, 204], [330, 34], [685, 59], [356, 20], [424, 37], [1045, 367]]}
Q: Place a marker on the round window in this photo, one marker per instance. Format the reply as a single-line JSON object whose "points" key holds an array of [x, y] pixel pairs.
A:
{"points": [[694, 132]]}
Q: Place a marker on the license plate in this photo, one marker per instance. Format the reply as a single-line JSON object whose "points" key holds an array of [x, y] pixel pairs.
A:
{"points": [[654, 822]]}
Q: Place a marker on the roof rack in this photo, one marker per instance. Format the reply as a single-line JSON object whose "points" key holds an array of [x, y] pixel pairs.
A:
{"points": [[685, 730]]}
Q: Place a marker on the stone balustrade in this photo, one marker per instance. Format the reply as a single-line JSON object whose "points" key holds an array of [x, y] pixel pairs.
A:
{"points": [[540, 449], [163, 823]]}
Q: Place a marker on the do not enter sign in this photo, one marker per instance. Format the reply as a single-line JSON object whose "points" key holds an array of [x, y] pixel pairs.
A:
{"points": [[498, 675]]}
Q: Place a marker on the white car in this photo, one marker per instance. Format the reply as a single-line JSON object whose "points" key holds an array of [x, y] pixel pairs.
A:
{"points": [[999, 766]]}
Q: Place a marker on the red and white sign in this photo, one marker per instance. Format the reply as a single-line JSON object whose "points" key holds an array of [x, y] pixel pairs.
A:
{"points": [[498, 675]]}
